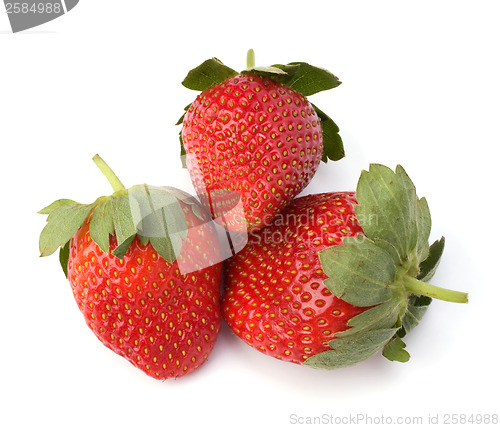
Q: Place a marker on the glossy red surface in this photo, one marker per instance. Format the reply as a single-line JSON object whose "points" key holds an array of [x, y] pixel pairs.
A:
{"points": [[143, 307], [275, 298], [254, 138]]}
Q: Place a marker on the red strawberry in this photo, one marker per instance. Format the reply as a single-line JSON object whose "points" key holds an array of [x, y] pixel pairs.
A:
{"points": [[149, 296], [253, 140], [276, 299], [331, 282]]}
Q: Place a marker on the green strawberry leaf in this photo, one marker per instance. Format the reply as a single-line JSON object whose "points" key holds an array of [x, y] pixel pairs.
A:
{"points": [[351, 350], [383, 271], [183, 151], [156, 210], [333, 147], [64, 258], [417, 307], [62, 223], [363, 272], [388, 208], [299, 76], [169, 249], [159, 219], [101, 225], [122, 248], [289, 69], [280, 75], [121, 214], [209, 73], [424, 229], [359, 272], [271, 71], [278, 72], [307, 79], [181, 119], [57, 204], [381, 316], [394, 350], [428, 267], [153, 214]]}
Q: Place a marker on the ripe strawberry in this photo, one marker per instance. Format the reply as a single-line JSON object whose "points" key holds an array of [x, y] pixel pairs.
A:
{"points": [[276, 299], [253, 141], [330, 282], [150, 296]]}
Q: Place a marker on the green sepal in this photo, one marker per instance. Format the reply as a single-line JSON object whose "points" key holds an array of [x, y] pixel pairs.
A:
{"points": [[423, 221], [209, 73], [333, 147], [273, 72], [394, 350], [428, 267], [57, 204], [351, 350], [181, 119], [359, 272], [121, 214], [382, 316], [279, 73], [153, 214], [307, 79], [64, 258], [101, 225], [168, 248], [417, 307], [384, 270], [299, 76], [62, 223], [159, 218], [182, 153], [390, 210], [122, 249], [182, 147]]}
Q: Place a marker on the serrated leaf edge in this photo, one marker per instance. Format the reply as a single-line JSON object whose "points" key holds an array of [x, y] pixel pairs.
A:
{"points": [[116, 211], [405, 306]]}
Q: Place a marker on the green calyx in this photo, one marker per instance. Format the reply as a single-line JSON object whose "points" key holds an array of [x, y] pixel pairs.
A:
{"points": [[151, 213], [299, 76], [385, 270]]}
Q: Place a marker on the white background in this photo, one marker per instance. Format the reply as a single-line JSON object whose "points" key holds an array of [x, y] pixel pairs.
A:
{"points": [[420, 88]]}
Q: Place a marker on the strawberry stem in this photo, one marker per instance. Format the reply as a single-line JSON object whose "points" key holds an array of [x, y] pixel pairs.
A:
{"points": [[250, 59], [416, 286], [108, 173]]}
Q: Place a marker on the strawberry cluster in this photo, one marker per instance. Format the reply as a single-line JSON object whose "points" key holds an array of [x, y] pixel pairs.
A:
{"points": [[325, 280]]}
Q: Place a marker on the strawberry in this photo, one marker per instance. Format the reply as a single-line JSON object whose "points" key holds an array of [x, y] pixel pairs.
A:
{"points": [[252, 139], [145, 272], [337, 276]]}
